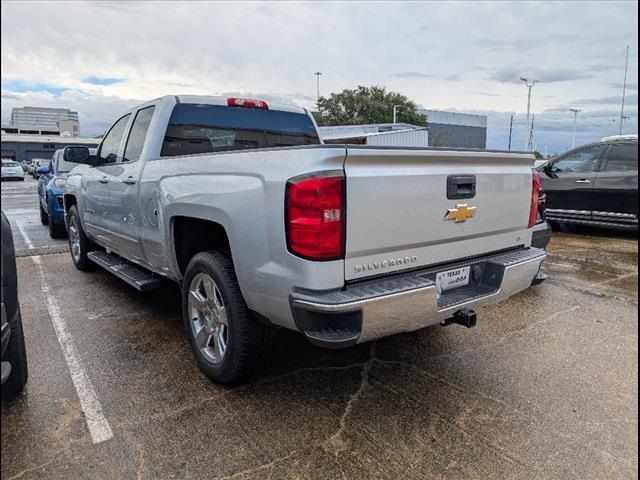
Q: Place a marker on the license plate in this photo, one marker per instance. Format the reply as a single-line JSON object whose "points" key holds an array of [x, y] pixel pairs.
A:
{"points": [[452, 279]]}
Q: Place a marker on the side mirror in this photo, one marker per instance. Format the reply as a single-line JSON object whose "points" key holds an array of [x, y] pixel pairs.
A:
{"points": [[548, 170], [79, 155], [42, 170]]}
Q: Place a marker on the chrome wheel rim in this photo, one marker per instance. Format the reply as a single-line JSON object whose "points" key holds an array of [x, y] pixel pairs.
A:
{"points": [[74, 238], [208, 318]]}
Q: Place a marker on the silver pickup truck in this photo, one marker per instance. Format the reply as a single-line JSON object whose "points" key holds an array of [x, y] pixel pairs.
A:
{"points": [[262, 225]]}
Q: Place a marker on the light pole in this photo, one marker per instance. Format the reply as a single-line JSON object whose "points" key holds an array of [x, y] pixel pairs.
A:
{"points": [[527, 135], [317, 74], [624, 88], [575, 119], [621, 120], [395, 109]]}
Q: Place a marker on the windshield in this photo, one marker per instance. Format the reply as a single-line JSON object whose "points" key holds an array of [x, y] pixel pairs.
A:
{"points": [[9, 163]]}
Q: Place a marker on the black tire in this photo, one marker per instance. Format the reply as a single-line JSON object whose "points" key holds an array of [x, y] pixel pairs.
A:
{"points": [[247, 342], [44, 216], [81, 261], [56, 230], [16, 355]]}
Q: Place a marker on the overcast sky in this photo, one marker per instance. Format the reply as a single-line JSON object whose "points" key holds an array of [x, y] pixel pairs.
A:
{"points": [[101, 58]]}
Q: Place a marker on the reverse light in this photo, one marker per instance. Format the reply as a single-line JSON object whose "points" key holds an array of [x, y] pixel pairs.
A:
{"points": [[315, 216], [247, 102], [535, 193]]}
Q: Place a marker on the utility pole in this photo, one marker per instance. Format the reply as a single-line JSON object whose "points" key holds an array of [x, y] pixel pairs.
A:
{"points": [[575, 120], [529, 86], [395, 109], [510, 130], [317, 74], [624, 87], [530, 143]]}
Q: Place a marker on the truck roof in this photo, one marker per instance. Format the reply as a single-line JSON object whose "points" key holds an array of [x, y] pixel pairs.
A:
{"points": [[220, 100]]}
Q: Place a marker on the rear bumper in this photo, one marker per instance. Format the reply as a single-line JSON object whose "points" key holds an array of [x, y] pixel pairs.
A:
{"points": [[13, 176], [406, 302]]}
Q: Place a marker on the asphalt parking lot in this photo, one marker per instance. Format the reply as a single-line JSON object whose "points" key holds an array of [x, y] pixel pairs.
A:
{"points": [[544, 387]]}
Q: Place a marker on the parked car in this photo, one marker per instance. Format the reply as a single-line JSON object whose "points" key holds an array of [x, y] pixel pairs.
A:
{"points": [[11, 170], [32, 166], [595, 184], [50, 191], [240, 203], [37, 163], [25, 166], [13, 353]]}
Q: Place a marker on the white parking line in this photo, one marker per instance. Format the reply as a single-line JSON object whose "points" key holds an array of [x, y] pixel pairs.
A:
{"points": [[27, 241], [96, 421]]}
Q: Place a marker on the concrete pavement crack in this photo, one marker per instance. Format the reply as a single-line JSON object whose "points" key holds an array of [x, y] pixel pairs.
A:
{"points": [[36, 467], [336, 443]]}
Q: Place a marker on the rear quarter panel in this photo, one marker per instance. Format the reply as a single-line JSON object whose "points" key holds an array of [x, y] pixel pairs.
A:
{"points": [[245, 193]]}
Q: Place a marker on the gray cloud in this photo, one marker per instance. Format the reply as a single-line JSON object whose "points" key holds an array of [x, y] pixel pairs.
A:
{"points": [[629, 99], [412, 75], [630, 86], [453, 77], [547, 75]]}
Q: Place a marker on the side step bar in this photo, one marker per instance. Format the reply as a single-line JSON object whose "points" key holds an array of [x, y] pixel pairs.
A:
{"points": [[134, 275]]}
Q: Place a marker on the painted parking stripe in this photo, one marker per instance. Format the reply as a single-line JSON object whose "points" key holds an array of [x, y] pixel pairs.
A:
{"points": [[26, 238], [98, 425], [96, 421]]}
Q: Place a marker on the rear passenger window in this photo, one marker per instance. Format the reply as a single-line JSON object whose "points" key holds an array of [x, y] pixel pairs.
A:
{"points": [[215, 128], [622, 158], [138, 134]]}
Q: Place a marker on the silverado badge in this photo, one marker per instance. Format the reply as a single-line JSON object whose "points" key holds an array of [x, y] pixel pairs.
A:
{"points": [[460, 213]]}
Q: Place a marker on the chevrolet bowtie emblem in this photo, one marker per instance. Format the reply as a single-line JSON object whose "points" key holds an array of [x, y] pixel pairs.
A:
{"points": [[460, 213]]}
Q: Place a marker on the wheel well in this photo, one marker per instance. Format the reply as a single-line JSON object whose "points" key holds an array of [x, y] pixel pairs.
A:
{"points": [[193, 235], [69, 201]]}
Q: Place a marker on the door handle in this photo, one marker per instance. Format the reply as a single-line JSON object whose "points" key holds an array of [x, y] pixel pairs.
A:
{"points": [[104, 180], [583, 180], [129, 181]]}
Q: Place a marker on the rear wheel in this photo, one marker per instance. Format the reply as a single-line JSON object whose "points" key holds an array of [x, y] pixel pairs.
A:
{"points": [[79, 244], [227, 341], [16, 355], [44, 216]]}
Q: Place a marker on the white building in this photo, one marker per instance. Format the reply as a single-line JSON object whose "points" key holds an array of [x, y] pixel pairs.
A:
{"points": [[43, 121]]}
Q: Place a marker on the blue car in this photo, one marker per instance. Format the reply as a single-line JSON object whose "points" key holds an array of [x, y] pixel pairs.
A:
{"points": [[51, 184]]}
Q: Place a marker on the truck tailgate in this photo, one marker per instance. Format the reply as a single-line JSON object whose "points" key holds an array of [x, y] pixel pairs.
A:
{"points": [[397, 207]]}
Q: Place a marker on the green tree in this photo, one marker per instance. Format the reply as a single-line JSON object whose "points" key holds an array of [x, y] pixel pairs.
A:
{"points": [[367, 105], [537, 154]]}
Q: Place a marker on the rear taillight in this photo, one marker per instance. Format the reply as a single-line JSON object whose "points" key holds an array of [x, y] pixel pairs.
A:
{"points": [[315, 216], [247, 102], [535, 193]]}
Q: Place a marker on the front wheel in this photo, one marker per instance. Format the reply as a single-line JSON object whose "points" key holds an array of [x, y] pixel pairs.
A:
{"points": [[56, 230], [44, 216], [227, 341], [79, 244]]}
